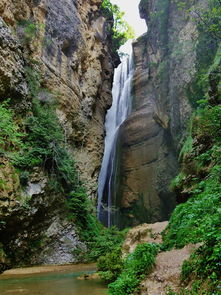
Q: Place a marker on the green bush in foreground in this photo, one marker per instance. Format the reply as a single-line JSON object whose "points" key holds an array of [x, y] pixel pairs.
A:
{"points": [[110, 265], [107, 241], [100, 241], [204, 265], [193, 220], [135, 267]]}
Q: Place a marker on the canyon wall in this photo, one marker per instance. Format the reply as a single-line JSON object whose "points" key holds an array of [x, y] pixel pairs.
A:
{"points": [[165, 64], [63, 47], [71, 51]]}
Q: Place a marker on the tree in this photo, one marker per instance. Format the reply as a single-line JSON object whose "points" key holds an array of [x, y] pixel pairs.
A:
{"points": [[120, 29]]}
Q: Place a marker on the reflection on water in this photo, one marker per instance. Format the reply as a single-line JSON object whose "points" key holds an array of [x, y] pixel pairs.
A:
{"points": [[62, 282]]}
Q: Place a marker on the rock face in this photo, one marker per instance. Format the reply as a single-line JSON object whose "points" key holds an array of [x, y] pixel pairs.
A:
{"points": [[68, 44], [11, 65], [144, 233], [165, 64], [70, 49]]}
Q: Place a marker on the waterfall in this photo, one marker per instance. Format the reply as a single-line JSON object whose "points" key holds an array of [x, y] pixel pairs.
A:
{"points": [[116, 115]]}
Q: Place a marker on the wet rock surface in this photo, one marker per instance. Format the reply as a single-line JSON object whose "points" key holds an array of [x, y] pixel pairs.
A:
{"points": [[148, 145]]}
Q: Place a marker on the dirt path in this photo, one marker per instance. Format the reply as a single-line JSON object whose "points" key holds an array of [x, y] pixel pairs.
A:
{"points": [[167, 271]]}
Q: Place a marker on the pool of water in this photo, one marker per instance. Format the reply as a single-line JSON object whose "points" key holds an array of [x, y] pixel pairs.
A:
{"points": [[55, 281]]}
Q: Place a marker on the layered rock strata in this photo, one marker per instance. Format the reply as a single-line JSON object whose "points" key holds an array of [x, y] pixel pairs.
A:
{"points": [[165, 64], [67, 43]]}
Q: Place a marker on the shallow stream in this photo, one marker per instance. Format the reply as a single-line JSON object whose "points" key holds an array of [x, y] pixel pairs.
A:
{"points": [[51, 280]]}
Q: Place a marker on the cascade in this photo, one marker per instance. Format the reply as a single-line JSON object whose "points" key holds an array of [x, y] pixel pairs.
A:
{"points": [[116, 115]]}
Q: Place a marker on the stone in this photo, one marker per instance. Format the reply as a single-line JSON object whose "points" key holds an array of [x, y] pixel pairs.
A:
{"points": [[71, 51], [149, 139], [144, 233], [12, 79]]}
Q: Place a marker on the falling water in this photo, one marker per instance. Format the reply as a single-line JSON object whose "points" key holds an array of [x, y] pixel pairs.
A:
{"points": [[116, 115]]}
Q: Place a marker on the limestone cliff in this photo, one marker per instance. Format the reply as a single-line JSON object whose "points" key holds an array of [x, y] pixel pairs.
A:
{"points": [[64, 47], [165, 64]]}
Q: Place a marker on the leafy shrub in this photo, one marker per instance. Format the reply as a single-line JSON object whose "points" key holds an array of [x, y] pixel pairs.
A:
{"points": [[44, 145], [199, 219], [107, 240], [100, 240], [207, 124], [80, 213], [10, 137], [110, 265], [29, 31], [24, 177], [205, 262], [34, 80], [135, 267], [207, 19], [78, 205], [191, 221]]}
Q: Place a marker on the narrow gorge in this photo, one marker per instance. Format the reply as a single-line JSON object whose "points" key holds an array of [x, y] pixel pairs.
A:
{"points": [[107, 157]]}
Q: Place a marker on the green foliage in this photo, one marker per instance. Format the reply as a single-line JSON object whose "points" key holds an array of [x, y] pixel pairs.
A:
{"points": [[185, 291], [10, 137], [34, 80], [78, 204], [121, 30], [44, 145], [207, 47], [207, 124], [191, 221], [135, 267], [187, 147], [80, 212], [199, 219], [100, 241], [205, 262], [177, 181], [110, 265], [209, 19], [107, 240], [29, 30], [24, 177]]}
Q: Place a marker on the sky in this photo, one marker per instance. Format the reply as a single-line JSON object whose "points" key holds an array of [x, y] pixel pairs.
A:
{"points": [[130, 7]]}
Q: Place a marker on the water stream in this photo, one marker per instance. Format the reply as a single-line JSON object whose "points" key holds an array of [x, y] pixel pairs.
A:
{"points": [[56, 280], [116, 115]]}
